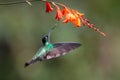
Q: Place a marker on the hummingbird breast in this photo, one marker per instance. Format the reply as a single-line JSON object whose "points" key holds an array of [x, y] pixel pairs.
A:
{"points": [[43, 51]]}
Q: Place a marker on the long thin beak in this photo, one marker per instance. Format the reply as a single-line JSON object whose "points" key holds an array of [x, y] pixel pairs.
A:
{"points": [[51, 31]]}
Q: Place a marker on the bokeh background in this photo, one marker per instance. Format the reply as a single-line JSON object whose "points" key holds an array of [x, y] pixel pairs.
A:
{"points": [[22, 27]]}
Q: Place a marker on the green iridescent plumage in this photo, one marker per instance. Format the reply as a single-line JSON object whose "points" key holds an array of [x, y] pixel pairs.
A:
{"points": [[47, 48]]}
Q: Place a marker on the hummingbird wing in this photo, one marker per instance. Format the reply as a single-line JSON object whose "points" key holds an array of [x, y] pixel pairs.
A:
{"points": [[61, 49]]}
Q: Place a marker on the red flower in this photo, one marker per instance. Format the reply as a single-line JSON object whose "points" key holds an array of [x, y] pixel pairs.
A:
{"points": [[48, 7], [59, 14], [71, 16], [76, 22], [65, 11], [67, 18]]}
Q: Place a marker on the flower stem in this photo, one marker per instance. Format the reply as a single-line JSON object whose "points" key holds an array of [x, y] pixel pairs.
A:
{"points": [[20, 2]]}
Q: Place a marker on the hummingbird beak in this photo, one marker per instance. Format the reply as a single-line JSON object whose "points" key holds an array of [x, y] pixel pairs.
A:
{"points": [[51, 31]]}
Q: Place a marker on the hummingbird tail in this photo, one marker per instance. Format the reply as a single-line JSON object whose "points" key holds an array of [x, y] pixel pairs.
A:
{"points": [[29, 63], [26, 64]]}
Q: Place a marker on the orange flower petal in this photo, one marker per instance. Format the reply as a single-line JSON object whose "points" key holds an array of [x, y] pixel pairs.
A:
{"points": [[72, 17], [48, 7], [76, 21], [65, 11], [75, 18], [59, 14], [67, 18]]}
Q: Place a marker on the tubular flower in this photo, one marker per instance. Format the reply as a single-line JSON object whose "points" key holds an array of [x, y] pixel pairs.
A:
{"points": [[65, 10], [59, 14], [48, 7], [76, 22], [67, 18], [70, 15], [72, 18], [67, 14]]}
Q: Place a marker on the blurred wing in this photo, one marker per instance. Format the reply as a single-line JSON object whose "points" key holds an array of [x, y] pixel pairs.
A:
{"points": [[61, 49]]}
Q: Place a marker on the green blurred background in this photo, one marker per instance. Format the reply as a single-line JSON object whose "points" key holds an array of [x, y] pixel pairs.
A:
{"points": [[22, 27]]}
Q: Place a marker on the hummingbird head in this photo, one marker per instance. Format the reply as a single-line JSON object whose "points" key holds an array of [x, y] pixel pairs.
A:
{"points": [[45, 39]]}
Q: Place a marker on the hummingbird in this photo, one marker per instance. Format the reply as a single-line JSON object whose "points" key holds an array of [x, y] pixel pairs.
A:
{"points": [[49, 50]]}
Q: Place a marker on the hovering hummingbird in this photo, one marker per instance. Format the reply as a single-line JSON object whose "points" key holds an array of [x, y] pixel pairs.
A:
{"points": [[50, 50]]}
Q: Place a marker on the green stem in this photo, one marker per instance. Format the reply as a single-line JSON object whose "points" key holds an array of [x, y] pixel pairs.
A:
{"points": [[19, 2]]}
